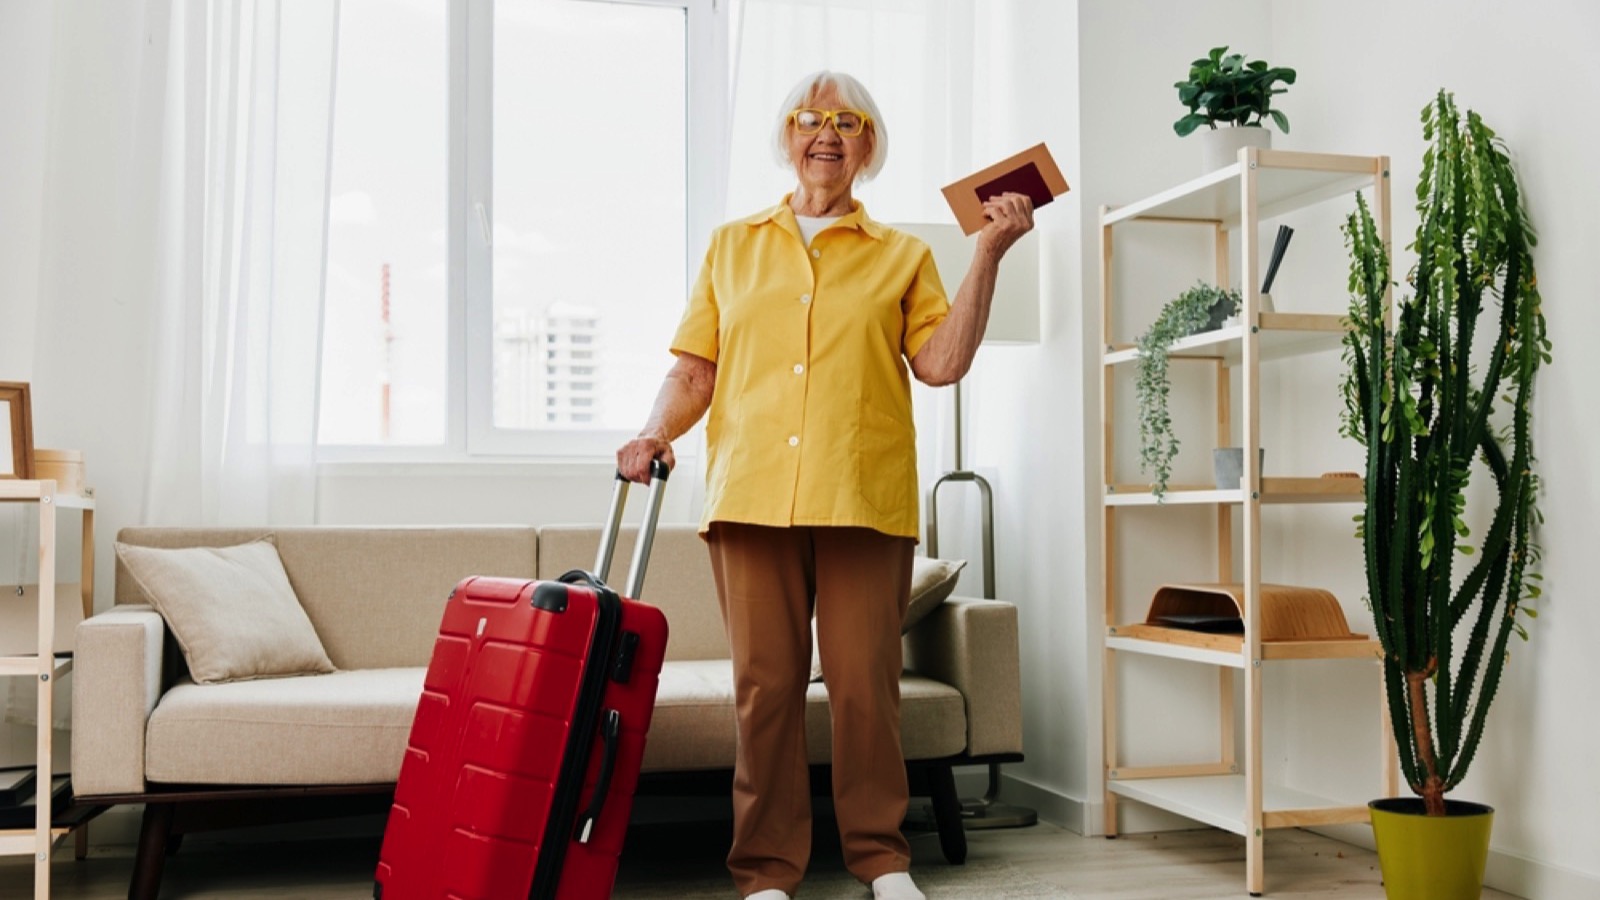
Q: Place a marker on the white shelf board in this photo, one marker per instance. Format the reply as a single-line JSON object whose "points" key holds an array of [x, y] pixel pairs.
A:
{"points": [[1280, 336], [1176, 651], [1217, 800], [1175, 496], [22, 842], [1285, 181]]}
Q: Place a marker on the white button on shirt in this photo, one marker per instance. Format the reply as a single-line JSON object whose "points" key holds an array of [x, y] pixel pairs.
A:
{"points": [[805, 298], [816, 254], [794, 441], [798, 368]]}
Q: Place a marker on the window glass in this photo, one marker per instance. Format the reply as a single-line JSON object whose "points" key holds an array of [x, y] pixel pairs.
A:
{"points": [[590, 199], [384, 363]]}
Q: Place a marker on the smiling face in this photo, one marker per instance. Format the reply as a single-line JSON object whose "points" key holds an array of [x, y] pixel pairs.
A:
{"points": [[825, 162]]}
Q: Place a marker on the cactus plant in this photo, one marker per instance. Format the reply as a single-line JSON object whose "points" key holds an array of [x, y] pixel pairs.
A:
{"points": [[1435, 404]]}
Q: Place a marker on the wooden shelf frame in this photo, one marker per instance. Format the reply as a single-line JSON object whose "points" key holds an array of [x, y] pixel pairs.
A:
{"points": [[1229, 792], [1273, 490], [46, 668]]}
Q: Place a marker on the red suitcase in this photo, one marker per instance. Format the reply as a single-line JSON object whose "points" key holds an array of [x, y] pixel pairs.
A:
{"points": [[524, 754]]}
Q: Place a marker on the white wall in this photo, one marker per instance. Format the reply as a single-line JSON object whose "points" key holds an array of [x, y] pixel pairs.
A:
{"points": [[1093, 79], [1531, 71], [1366, 69], [1129, 55], [25, 63], [76, 285]]}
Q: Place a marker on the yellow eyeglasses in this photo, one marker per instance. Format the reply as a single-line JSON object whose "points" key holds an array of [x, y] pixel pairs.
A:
{"points": [[848, 122]]}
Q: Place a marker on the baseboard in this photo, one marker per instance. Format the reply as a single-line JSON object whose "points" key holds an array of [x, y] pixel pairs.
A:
{"points": [[1506, 871], [1051, 805], [1071, 813]]}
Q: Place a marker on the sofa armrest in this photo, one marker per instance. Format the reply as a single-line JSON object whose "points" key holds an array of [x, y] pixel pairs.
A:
{"points": [[972, 645], [116, 681]]}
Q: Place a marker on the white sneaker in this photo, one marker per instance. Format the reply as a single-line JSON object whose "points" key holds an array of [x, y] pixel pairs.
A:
{"points": [[896, 886], [769, 894]]}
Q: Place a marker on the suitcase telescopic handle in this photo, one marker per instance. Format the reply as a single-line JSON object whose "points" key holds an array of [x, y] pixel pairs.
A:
{"points": [[647, 532]]}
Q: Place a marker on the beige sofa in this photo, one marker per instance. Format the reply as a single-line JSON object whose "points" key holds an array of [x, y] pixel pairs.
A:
{"points": [[200, 755]]}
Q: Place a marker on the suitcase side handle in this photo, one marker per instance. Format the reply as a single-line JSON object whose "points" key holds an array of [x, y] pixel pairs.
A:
{"points": [[647, 532], [611, 730]]}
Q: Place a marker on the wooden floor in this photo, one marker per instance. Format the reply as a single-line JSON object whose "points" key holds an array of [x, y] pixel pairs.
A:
{"points": [[678, 861]]}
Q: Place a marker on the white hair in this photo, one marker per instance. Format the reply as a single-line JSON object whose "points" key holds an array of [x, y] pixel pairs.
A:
{"points": [[854, 95]]}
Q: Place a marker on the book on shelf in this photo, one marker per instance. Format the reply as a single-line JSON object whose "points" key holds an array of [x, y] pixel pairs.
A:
{"points": [[16, 786], [21, 815]]}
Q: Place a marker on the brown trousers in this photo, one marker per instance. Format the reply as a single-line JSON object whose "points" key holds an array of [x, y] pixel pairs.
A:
{"points": [[860, 582]]}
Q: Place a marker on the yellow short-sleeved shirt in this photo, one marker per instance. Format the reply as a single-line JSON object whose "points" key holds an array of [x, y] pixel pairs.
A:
{"points": [[810, 422]]}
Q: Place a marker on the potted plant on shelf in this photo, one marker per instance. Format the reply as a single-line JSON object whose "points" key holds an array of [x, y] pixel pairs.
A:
{"points": [[1435, 405], [1226, 89], [1199, 308]]}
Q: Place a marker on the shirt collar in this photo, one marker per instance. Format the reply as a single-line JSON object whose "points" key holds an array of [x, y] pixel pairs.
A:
{"points": [[783, 215]]}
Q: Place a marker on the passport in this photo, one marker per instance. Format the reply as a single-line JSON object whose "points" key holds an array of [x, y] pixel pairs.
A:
{"points": [[1033, 172]]}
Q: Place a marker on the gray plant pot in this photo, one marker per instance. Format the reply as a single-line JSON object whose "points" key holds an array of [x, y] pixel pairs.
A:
{"points": [[1220, 311], [1227, 466]]}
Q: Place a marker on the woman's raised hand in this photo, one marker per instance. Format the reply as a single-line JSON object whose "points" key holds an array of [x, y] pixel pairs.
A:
{"points": [[1010, 217]]}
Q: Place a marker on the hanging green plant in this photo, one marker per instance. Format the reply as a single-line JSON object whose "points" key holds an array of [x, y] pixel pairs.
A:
{"points": [[1189, 312]]}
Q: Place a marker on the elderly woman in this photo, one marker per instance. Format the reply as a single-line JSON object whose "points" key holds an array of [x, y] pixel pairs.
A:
{"points": [[796, 339]]}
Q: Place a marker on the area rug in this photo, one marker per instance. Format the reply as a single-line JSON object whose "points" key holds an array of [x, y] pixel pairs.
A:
{"points": [[985, 880]]}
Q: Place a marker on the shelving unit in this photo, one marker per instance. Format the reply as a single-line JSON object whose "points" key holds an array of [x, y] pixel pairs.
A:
{"points": [[46, 667], [1229, 792]]}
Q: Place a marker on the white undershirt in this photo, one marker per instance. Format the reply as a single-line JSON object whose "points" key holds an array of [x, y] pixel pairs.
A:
{"points": [[810, 225]]}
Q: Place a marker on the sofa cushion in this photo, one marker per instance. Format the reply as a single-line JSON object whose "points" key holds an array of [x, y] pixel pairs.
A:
{"points": [[376, 594], [678, 580], [351, 727], [693, 725], [231, 609], [342, 728], [932, 583]]}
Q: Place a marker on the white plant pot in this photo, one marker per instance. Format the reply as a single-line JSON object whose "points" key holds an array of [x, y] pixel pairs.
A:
{"points": [[1220, 146]]}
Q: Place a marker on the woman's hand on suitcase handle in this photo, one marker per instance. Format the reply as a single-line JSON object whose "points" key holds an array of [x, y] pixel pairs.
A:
{"points": [[633, 460]]}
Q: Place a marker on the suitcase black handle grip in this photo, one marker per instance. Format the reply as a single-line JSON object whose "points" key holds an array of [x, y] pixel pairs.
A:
{"points": [[580, 576], [647, 532], [611, 730], [658, 469]]}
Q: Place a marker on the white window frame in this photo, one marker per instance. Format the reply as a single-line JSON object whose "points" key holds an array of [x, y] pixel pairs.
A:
{"points": [[469, 365]]}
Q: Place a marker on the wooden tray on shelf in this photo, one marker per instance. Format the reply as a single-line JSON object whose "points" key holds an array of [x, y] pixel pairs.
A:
{"points": [[1296, 623], [1288, 613]]}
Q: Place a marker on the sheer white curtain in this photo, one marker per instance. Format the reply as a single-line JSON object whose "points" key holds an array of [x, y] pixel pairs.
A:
{"points": [[917, 57], [241, 226]]}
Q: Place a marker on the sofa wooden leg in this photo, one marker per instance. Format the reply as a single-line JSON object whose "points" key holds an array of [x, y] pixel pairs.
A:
{"points": [[153, 836], [947, 813]]}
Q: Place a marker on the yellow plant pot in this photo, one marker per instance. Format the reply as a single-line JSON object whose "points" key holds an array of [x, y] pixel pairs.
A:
{"points": [[1431, 857]]}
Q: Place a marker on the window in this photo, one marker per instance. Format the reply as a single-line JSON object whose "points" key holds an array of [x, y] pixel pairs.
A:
{"points": [[511, 177], [386, 301]]}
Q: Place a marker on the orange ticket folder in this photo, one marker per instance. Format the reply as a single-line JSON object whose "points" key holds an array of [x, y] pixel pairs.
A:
{"points": [[1033, 172]]}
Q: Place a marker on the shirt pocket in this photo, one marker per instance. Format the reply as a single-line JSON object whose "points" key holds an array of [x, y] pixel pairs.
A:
{"points": [[886, 457]]}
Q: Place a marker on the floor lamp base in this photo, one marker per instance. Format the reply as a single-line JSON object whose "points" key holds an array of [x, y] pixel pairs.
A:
{"points": [[984, 812], [975, 815]]}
